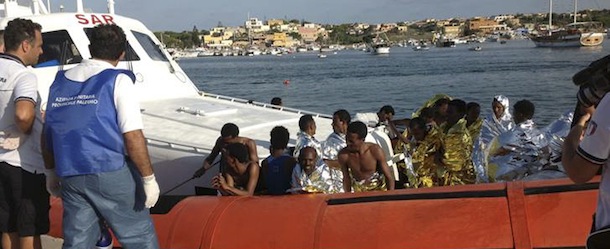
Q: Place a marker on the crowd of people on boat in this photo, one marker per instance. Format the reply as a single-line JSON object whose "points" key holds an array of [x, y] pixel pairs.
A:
{"points": [[446, 142], [88, 148]]}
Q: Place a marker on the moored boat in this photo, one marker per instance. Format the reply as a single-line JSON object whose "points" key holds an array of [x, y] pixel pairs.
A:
{"points": [[576, 34], [381, 48]]}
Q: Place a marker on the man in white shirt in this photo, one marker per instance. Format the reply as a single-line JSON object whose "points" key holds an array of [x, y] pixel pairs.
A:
{"points": [[91, 119], [584, 154], [24, 203]]}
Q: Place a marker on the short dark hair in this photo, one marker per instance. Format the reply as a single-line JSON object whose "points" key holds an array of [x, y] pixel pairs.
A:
{"points": [[276, 101], [229, 130], [304, 121], [19, 30], [426, 112], [359, 128], [107, 42], [279, 137], [525, 107], [472, 105], [343, 115], [239, 151], [441, 101], [460, 106], [418, 121], [387, 109]]}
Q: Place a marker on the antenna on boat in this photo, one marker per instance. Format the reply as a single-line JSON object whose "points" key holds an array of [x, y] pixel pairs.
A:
{"points": [[575, 9], [111, 7], [39, 7], [550, 16], [79, 6]]}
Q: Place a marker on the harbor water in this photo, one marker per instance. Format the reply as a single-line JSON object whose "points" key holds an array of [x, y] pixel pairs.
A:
{"points": [[362, 82]]}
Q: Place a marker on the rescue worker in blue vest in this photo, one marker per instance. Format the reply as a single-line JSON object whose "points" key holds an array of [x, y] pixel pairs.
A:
{"points": [[92, 118]]}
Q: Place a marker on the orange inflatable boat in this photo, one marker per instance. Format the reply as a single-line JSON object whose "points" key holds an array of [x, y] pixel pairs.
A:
{"points": [[538, 214]]}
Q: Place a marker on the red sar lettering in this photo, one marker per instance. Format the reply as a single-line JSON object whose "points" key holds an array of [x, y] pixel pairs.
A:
{"points": [[105, 19]]}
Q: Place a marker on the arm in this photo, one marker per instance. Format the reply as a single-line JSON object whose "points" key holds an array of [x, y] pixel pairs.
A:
{"points": [[47, 156], [25, 114], [385, 169], [578, 169], [26, 93], [138, 152], [229, 188], [252, 151], [347, 179], [51, 178], [207, 162]]}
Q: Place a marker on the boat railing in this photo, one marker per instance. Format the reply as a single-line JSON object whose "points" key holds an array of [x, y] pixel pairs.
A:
{"points": [[264, 105], [156, 142]]}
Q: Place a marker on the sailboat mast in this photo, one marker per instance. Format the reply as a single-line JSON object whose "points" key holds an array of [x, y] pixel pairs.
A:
{"points": [[550, 16], [575, 9]]}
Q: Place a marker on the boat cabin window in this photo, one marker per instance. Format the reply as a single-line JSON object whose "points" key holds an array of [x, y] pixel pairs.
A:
{"points": [[58, 49], [152, 49], [130, 54]]}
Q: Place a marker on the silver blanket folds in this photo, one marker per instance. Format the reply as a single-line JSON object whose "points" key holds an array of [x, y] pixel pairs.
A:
{"points": [[528, 153]]}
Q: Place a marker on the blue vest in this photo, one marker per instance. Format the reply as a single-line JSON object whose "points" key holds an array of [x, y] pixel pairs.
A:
{"points": [[81, 127], [277, 176]]}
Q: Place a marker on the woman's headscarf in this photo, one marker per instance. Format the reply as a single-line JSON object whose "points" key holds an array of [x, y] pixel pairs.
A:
{"points": [[506, 117]]}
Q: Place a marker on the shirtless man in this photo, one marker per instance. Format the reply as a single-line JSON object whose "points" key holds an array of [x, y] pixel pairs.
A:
{"points": [[363, 164], [240, 175], [229, 134]]}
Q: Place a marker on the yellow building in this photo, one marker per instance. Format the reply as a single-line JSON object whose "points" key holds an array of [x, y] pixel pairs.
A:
{"points": [[275, 22], [477, 24], [218, 37]]}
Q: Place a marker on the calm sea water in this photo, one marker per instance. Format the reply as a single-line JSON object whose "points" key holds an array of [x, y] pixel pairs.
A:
{"points": [[362, 82]]}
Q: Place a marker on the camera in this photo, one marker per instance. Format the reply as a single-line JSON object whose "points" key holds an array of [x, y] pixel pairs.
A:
{"points": [[594, 82]]}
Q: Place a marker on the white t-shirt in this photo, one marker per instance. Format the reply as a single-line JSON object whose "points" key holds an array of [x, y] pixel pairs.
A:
{"points": [[19, 83], [125, 100], [595, 147]]}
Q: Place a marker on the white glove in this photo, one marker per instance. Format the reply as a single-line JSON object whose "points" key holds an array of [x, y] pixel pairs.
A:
{"points": [[53, 185], [151, 189]]}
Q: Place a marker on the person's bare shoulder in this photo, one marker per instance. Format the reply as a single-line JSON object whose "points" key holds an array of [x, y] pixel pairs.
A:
{"points": [[376, 150]]}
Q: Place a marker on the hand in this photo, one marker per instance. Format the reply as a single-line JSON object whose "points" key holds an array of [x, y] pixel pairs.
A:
{"points": [[12, 140], [219, 182], [52, 181], [151, 189], [202, 170]]}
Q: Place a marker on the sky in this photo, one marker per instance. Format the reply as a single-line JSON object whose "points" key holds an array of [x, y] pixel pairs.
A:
{"points": [[179, 15]]}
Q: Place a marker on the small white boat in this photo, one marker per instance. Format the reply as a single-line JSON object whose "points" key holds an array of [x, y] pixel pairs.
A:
{"points": [[477, 48], [381, 48], [421, 48], [321, 56]]}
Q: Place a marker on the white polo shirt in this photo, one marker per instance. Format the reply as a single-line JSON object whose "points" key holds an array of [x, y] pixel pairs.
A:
{"points": [[19, 83], [595, 147]]}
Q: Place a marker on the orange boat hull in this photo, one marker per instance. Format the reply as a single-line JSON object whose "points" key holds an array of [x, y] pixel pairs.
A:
{"points": [[540, 214]]}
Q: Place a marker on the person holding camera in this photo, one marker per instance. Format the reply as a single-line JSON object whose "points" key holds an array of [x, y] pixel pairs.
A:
{"points": [[585, 151]]}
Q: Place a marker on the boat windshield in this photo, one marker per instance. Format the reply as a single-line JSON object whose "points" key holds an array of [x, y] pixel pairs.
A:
{"points": [[130, 54], [58, 49], [153, 50]]}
